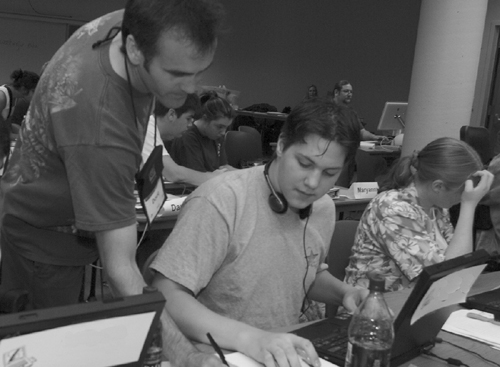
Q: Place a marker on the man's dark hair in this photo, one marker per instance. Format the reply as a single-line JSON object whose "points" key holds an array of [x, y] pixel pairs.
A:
{"points": [[197, 21], [192, 103], [24, 79], [321, 117], [338, 86]]}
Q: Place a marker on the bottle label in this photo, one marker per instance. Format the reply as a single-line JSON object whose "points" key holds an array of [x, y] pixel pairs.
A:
{"points": [[361, 356]]}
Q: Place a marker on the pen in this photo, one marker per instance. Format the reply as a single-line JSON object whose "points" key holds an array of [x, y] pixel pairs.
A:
{"points": [[217, 349], [475, 316]]}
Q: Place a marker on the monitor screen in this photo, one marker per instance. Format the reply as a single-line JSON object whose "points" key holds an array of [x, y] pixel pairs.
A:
{"points": [[393, 116]]}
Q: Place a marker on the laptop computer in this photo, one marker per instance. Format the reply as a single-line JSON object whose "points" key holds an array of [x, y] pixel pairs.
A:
{"points": [[98, 334], [487, 301], [437, 292]]}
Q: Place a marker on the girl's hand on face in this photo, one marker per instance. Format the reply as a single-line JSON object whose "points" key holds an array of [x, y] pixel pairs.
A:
{"points": [[477, 186]]}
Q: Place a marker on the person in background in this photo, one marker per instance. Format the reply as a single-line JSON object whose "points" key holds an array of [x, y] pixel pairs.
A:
{"points": [[201, 148], [171, 123], [408, 226], [20, 89], [342, 96], [255, 260], [312, 92], [68, 193]]}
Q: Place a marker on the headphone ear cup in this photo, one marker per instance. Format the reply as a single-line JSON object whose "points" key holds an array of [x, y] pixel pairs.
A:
{"points": [[278, 203]]}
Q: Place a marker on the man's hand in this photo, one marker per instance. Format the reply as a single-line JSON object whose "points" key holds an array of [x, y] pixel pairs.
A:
{"points": [[353, 298], [277, 349]]}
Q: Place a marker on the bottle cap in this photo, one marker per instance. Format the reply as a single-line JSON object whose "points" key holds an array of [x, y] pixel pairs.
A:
{"points": [[377, 282], [149, 289]]}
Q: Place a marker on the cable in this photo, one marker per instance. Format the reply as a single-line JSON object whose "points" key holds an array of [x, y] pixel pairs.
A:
{"points": [[450, 361], [440, 340], [306, 299]]}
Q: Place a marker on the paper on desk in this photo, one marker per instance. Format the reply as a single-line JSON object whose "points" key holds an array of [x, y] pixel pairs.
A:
{"points": [[240, 360], [449, 290], [486, 332]]}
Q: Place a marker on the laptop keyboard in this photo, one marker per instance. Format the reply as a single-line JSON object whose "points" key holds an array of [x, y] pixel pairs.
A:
{"points": [[335, 343]]}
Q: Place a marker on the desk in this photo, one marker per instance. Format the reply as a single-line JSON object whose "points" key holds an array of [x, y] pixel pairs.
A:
{"points": [[373, 163], [388, 151], [485, 282], [266, 115]]}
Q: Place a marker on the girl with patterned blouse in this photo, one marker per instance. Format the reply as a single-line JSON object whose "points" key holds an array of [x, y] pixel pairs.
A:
{"points": [[408, 226]]}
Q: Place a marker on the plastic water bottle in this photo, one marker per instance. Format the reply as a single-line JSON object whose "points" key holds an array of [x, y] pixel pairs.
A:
{"points": [[371, 331], [155, 350]]}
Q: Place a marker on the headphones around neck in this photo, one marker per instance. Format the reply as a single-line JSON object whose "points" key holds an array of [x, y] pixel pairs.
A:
{"points": [[277, 201]]}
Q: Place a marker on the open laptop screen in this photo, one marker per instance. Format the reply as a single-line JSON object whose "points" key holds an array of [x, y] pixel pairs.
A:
{"points": [[112, 333]]}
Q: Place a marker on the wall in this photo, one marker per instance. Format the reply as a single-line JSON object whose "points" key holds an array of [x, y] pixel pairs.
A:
{"points": [[31, 31], [276, 49]]}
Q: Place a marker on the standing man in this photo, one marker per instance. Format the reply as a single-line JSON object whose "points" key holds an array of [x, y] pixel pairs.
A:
{"points": [[342, 96], [68, 195]]}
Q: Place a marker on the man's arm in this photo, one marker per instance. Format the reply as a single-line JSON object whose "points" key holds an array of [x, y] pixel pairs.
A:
{"points": [[195, 320], [175, 173], [117, 253], [328, 289], [366, 135]]}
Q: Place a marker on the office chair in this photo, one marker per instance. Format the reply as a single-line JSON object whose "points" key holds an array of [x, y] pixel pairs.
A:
{"points": [[249, 129], [339, 253], [370, 168], [478, 137], [242, 147]]}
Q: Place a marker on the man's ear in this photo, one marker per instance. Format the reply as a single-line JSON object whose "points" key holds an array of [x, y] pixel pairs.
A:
{"points": [[133, 53], [171, 115], [280, 145]]}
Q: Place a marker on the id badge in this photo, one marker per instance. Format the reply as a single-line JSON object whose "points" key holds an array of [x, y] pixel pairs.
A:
{"points": [[150, 184]]}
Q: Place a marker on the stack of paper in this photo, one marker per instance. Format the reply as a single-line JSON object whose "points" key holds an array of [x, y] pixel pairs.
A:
{"points": [[240, 360], [461, 324]]}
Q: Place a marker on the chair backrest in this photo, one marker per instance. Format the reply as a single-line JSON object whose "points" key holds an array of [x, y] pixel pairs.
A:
{"points": [[478, 137], [340, 251], [242, 147], [369, 167], [249, 129]]}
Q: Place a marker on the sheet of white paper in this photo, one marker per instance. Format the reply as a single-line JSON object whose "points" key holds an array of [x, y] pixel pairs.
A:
{"points": [[100, 343], [240, 360], [449, 290], [486, 332]]}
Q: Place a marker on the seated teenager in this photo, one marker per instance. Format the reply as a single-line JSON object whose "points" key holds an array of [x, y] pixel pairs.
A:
{"points": [[200, 148], [171, 123], [408, 227], [262, 234]]}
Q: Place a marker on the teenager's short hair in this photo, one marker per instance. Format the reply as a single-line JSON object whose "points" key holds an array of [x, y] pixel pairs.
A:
{"points": [[198, 21], [338, 86], [24, 79], [213, 107], [192, 103], [321, 117]]}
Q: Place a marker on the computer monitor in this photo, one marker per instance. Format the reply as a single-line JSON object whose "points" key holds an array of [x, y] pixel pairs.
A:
{"points": [[98, 334], [393, 116]]}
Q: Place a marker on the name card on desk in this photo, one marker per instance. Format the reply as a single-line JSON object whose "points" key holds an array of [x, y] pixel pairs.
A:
{"points": [[364, 190], [172, 206]]}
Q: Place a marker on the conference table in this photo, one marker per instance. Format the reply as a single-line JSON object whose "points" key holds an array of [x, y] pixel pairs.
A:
{"points": [[265, 115], [343, 205]]}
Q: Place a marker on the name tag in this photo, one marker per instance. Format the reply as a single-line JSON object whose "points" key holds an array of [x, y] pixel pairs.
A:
{"points": [[364, 190], [150, 185]]}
